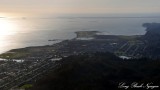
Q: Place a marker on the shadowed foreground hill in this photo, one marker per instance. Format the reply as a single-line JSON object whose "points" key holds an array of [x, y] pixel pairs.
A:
{"points": [[100, 71]]}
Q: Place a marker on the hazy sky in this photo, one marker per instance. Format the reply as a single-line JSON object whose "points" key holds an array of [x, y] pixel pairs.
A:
{"points": [[78, 6]]}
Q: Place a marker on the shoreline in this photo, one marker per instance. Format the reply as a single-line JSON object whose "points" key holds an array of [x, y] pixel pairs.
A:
{"points": [[23, 53]]}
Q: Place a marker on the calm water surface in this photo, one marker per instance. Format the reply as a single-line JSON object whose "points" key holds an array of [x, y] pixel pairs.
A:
{"points": [[19, 33]]}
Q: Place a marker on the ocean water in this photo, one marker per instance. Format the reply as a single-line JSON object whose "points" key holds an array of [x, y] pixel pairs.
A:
{"points": [[24, 32]]}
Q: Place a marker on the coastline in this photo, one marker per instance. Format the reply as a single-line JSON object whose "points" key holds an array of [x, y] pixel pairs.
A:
{"points": [[134, 46], [38, 51], [21, 53]]}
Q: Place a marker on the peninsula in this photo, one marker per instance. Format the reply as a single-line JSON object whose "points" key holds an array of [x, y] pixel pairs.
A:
{"points": [[34, 62], [134, 46]]}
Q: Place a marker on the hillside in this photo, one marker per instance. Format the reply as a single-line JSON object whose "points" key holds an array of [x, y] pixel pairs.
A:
{"points": [[99, 71], [153, 31], [152, 39]]}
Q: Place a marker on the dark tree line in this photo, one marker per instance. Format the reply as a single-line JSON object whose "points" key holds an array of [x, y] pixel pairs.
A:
{"points": [[99, 71]]}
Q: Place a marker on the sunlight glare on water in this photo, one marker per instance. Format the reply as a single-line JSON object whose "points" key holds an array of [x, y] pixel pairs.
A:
{"points": [[7, 28], [24, 32]]}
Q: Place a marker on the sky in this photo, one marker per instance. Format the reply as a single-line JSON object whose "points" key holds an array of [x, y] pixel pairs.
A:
{"points": [[44, 7]]}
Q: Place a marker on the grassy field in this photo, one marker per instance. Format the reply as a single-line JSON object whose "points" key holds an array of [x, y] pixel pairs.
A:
{"points": [[26, 52]]}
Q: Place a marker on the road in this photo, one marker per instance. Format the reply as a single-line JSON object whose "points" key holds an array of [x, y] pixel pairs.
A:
{"points": [[41, 68]]}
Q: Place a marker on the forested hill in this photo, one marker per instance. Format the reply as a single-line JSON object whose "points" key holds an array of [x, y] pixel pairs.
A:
{"points": [[154, 27], [152, 39], [153, 31], [99, 71]]}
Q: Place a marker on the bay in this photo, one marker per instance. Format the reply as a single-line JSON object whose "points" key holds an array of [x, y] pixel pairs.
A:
{"points": [[37, 31]]}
